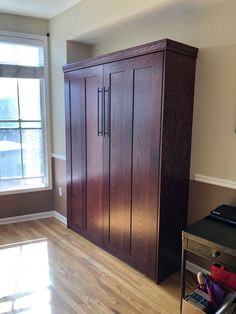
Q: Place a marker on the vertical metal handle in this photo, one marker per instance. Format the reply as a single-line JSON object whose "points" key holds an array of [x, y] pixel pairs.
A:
{"points": [[100, 132], [106, 113]]}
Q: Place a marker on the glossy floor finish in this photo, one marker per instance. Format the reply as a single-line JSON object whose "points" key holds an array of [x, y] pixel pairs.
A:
{"points": [[46, 268]]}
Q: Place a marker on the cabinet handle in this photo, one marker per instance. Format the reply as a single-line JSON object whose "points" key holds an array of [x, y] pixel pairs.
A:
{"points": [[215, 254], [106, 113], [99, 132]]}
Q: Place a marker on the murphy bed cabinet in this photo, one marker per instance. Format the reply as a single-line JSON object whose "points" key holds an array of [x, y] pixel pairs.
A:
{"points": [[128, 125]]}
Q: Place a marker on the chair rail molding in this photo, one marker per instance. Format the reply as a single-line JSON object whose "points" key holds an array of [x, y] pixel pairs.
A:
{"points": [[215, 181], [58, 156]]}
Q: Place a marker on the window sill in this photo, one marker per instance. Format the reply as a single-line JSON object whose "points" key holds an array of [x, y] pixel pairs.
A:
{"points": [[27, 189]]}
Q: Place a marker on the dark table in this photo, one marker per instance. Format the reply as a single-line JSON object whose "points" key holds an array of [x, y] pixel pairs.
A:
{"points": [[211, 239]]}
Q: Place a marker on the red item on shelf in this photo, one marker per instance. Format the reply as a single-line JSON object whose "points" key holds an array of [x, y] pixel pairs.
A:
{"points": [[223, 276]]}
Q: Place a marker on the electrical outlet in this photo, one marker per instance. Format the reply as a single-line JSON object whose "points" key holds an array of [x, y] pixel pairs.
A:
{"points": [[60, 191]]}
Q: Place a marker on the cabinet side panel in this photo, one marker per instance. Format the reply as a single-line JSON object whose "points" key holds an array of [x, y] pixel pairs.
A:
{"points": [[94, 158], [78, 152], [176, 149], [120, 159], [68, 152], [146, 143]]}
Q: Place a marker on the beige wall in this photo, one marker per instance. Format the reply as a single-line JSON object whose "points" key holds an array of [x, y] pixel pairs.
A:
{"points": [[26, 203], [59, 179], [23, 24], [76, 51], [33, 202]]}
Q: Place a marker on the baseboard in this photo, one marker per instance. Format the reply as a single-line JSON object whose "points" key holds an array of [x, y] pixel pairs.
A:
{"points": [[10, 220], [60, 217], [22, 218], [193, 268]]}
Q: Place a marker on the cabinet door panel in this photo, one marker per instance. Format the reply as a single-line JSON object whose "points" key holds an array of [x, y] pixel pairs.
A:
{"points": [[86, 153], [132, 152], [120, 158], [94, 159], [78, 153], [146, 151]]}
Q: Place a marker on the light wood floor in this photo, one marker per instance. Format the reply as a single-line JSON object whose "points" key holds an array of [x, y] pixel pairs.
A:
{"points": [[46, 268]]}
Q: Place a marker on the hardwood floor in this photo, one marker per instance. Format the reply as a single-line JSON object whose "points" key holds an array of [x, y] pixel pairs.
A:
{"points": [[46, 268]]}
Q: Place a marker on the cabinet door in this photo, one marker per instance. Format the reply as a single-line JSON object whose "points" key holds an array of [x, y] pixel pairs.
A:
{"points": [[132, 149], [85, 151]]}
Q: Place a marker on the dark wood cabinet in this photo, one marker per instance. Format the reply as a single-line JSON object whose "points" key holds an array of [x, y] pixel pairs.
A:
{"points": [[85, 168], [129, 120], [133, 150]]}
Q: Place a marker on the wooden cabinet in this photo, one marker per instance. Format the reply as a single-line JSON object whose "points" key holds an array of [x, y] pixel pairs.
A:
{"points": [[133, 150], [85, 152], [129, 120]]}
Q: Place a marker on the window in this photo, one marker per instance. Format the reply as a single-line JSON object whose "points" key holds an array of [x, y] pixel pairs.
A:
{"points": [[24, 139]]}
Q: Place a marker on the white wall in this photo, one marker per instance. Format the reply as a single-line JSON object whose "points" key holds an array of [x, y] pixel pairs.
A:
{"points": [[211, 29]]}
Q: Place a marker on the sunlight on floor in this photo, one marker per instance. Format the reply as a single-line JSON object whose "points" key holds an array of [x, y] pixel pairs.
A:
{"points": [[24, 278]]}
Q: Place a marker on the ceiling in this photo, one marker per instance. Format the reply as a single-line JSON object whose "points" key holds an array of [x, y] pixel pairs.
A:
{"points": [[50, 8], [36, 8]]}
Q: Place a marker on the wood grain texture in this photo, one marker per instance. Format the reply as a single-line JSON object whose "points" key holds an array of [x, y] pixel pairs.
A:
{"points": [[132, 161], [146, 152], [85, 153], [68, 152], [94, 153], [175, 162], [120, 147], [82, 278], [78, 152]]}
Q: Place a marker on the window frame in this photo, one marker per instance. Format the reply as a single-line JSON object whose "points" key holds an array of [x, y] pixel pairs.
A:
{"points": [[31, 39]]}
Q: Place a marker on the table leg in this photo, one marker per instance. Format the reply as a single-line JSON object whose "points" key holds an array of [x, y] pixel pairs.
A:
{"points": [[183, 270]]}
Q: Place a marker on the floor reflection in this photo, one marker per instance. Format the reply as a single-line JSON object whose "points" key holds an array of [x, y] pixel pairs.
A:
{"points": [[24, 278]]}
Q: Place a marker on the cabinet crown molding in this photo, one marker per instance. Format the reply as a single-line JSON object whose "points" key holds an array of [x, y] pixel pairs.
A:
{"points": [[164, 44]]}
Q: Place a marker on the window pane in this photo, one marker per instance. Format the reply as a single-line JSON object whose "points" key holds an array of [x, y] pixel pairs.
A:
{"points": [[9, 125], [29, 99], [31, 125], [32, 153], [7, 53], [11, 53], [27, 55], [8, 99], [21, 183], [10, 154], [23, 162]]}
